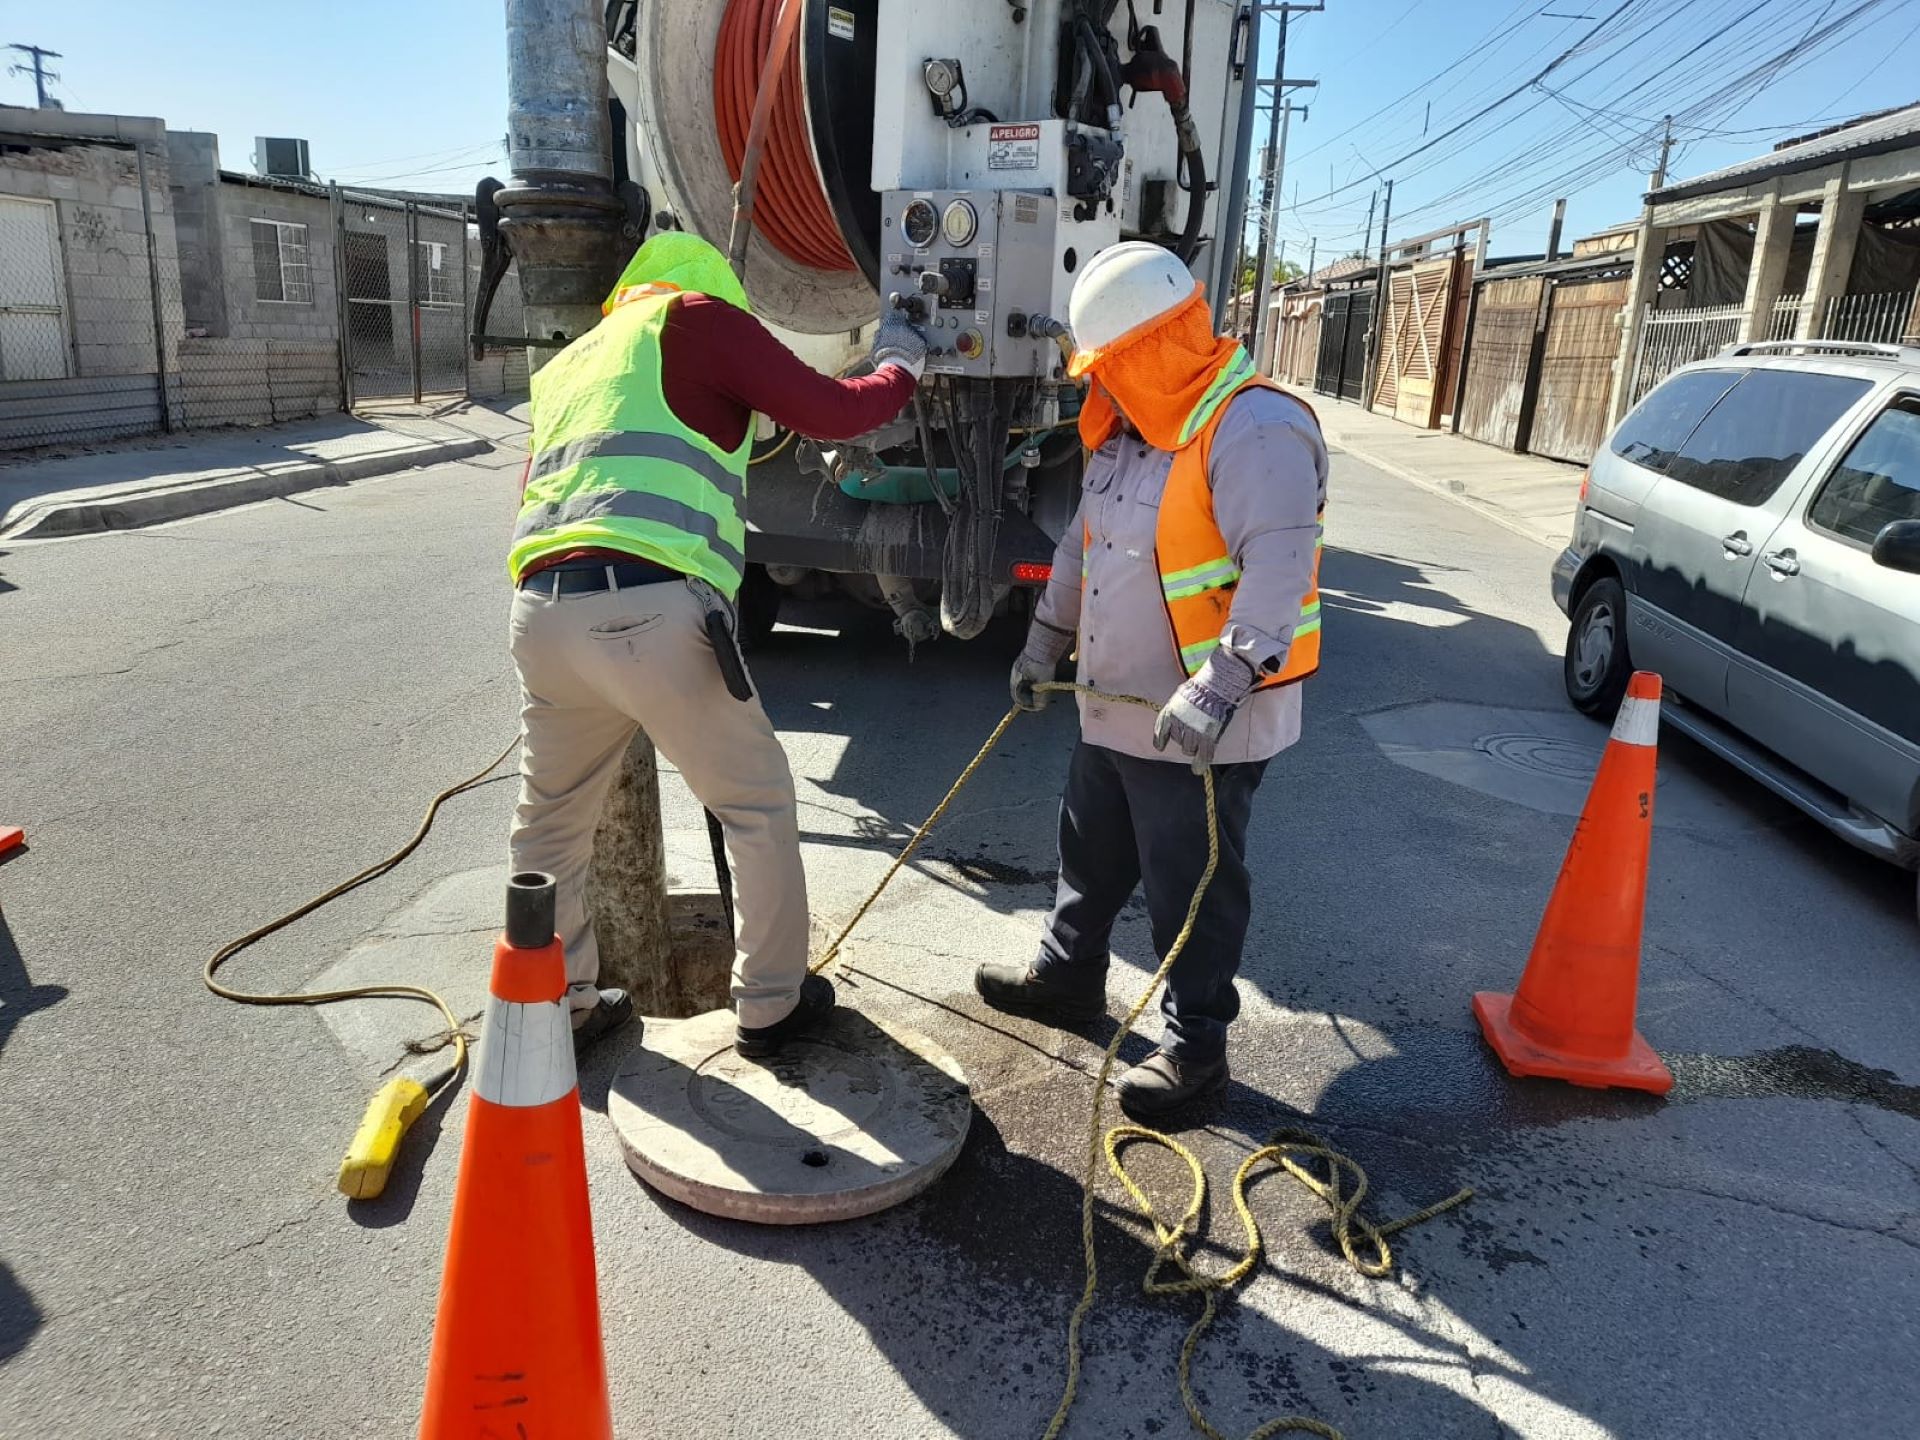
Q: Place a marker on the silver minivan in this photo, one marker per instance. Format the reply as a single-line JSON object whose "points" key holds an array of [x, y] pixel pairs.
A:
{"points": [[1751, 531]]}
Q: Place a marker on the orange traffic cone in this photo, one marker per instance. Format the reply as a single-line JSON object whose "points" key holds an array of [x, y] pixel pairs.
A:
{"points": [[10, 836], [516, 1346], [1572, 1017]]}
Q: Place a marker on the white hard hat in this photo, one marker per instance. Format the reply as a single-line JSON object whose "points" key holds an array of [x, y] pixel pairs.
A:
{"points": [[1123, 289]]}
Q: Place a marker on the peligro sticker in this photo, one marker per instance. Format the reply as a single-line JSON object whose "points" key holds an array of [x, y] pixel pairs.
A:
{"points": [[1013, 147]]}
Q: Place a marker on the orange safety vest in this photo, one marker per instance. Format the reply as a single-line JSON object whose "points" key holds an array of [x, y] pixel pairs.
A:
{"points": [[1197, 574]]}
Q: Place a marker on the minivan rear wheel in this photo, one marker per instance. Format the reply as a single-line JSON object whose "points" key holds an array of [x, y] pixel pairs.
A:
{"points": [[1598, 666]]}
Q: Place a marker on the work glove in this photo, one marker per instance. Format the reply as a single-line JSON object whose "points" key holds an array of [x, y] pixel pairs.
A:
{"points": [[1038, 663], [1200, 709], [900, 343]]}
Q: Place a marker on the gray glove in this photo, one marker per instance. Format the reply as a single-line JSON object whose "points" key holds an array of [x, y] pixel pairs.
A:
{"points": [[1046, 644], [900, 343], [1200, 709]]}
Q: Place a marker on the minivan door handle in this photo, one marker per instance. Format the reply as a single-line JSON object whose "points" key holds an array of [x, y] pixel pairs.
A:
{"points": [[1782, 562], [1737, 545]]}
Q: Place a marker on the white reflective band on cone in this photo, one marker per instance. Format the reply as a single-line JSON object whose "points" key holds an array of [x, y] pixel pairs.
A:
{"points": [[1638, 722], [526, 1053]]}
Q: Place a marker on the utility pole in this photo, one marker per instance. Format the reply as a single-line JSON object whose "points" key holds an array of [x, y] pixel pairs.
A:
{"points": [[1553, 231], [41, 75], [1279, 114], [562, 221], [1313, 249], [1666, 150], [1367, 382]]}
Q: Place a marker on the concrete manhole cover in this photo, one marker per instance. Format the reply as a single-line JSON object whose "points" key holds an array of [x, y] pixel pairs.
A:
{"points": [[1536, 754], [843, 1123], [1542, 759]]}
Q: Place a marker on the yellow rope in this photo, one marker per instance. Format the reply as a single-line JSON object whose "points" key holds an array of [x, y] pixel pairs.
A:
{"points": [[1284, 1149], [454, 1034]]}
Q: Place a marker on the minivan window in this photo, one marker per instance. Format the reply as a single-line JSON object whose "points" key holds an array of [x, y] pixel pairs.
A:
{"points": [[1879, 481], [1653, 432], [1759, 430]]}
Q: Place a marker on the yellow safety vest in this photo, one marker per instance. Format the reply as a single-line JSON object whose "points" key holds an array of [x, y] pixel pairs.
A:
{"points": [[614, 468]]}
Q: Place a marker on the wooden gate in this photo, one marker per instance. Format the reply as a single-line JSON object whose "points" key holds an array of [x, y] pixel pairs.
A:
{"points": [[1414, 341], [1499, 356], [1576, 371]]}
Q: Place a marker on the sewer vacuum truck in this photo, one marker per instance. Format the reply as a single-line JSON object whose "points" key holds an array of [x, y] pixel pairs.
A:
{"points": [[956, 160]]}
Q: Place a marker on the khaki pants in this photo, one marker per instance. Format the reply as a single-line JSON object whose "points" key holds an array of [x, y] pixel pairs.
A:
{"points": [[592, 669]]}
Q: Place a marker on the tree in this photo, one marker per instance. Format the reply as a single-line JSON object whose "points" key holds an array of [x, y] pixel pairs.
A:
{"points": [[1284, 272]]}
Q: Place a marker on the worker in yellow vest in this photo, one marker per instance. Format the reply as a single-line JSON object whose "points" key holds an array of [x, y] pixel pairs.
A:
{"points": [[626, 561], [1190, 578]]}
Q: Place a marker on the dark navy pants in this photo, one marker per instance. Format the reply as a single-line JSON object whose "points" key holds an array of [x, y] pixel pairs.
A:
{"points": [[1127, 822]]}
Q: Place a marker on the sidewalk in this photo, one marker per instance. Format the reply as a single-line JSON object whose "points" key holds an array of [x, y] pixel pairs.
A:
{"points": [[158, 478], [1528, 495]]}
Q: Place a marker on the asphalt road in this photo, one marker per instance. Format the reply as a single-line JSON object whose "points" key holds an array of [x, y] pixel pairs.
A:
{"points": [[207, 722]]}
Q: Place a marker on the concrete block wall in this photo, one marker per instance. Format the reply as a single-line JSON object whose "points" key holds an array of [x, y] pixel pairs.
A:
{"points": [[109, 282], [250, 318], [227, 381], [110, 389]]}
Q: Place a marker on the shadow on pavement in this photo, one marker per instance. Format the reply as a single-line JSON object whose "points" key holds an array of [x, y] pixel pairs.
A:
{"points": [[1401, 888], [19, 996]]}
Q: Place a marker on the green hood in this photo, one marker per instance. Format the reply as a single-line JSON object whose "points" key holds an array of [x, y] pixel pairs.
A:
{"points": [[685, 262]]}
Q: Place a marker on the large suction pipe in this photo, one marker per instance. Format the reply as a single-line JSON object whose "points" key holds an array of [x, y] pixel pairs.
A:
{"points": [[559, 213]]}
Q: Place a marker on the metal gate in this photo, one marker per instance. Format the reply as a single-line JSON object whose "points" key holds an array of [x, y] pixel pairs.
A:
{"points": [[404, 291], [1341, 366]]}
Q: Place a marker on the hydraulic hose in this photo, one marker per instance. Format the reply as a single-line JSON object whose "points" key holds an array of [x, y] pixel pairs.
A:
{"points": [[1189, 242], [790, 207]]}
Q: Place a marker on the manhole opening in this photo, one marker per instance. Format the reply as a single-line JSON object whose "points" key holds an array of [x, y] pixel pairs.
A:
{"points": [[815, 1158]]}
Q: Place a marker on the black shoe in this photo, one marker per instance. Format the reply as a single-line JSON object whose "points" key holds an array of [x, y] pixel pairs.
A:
{"points": [[1023, 990], [1161, 1084], [816, 1002], [614, 1011]]}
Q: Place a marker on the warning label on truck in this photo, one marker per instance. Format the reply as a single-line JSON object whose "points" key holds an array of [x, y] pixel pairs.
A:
{"points": [[1013, 147], [839, 23]]}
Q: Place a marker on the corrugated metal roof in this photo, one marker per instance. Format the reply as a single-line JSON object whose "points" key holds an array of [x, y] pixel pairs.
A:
{"points": [[1889, 130]]}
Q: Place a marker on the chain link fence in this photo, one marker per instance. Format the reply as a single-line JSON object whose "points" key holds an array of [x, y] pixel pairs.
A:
{"points": [[130, 306]]}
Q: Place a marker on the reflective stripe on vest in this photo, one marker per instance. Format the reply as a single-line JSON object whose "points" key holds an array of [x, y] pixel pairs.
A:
{"points": [[1197, 576], [614, 468]]}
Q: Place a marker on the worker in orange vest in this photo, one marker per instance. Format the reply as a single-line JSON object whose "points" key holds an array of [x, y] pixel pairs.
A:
{"points": [[1190, 577]]}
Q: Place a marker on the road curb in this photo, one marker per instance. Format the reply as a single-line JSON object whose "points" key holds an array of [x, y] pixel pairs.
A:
{"points": [[1499, 514], [84, 512]]}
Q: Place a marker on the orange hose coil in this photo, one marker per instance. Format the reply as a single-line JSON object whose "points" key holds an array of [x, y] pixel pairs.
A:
{"points": [[791, 207]]}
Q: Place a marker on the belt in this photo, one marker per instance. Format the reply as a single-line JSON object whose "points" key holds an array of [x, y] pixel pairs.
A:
{"points": [[591, 577]]}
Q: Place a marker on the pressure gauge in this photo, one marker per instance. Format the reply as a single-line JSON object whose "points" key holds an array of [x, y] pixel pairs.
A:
{"points": [[941, 76], [919, 223], [960, 224]]}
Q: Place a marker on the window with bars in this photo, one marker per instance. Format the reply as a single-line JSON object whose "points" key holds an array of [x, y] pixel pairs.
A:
{"points": [[433, 279], [33, 293], [280, 269]]}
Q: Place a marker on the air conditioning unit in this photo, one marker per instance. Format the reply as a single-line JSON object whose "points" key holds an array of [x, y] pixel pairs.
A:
{"points": [[281, 159]]}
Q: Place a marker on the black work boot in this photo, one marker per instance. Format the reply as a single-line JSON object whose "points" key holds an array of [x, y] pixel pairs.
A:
{"points": [[614, 1010], [1026, 990], [816, 1001], [1161, 1084]]}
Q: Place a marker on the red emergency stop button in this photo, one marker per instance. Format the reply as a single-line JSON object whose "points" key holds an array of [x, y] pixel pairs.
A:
{"points": [[970, 344]]}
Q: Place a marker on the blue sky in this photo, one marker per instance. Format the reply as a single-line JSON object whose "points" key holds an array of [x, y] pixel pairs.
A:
{"points": [[412, 93], [1395, 75]]}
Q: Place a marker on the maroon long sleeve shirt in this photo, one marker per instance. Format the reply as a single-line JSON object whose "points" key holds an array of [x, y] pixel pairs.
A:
{"points": [[719, 365]]}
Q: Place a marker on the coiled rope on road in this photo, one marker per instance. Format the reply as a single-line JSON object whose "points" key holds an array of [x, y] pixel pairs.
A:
{"points": [[1284, 1149]]}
